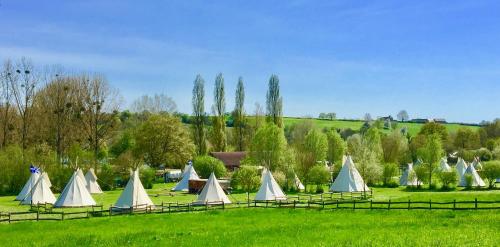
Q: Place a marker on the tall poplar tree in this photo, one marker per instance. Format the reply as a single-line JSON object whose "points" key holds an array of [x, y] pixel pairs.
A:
{"points": [[239, 120], [219, 108], [198, 118], [274, 102]]}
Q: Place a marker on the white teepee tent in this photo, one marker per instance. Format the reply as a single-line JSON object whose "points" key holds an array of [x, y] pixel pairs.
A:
{"points": [[183, 185], [477, 181], [212, 192], [40, 193], [82, 177], [269, 189], [134, 194], [28, 186], [406, 179], [91, 182], [47, 179], [461, 167], [349, 179], [299, 184], [443, 166], [75, 194]]}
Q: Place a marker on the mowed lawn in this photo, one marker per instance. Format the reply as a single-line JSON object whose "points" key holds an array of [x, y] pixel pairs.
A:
{"points": [[266, 227], [413, 128]]}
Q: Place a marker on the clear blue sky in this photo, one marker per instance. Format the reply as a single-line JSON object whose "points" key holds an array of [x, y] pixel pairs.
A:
{"points": [[433, 58]]}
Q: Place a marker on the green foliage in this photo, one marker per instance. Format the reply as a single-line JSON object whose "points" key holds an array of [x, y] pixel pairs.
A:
{"points": [[125, 142], [219, 141], [268, 147], [468, 181], [239, 118], [296, 133], [336, 147], [280, 178], [491, 171], [466, 138], [448, 178], [431, 153], [106, 177], [163, 140], [484, 154], [390, 170], [422, 173], [395, 147], [246, 178], [311, 151], [205, 165], [198, 118], [433, 128], [274, 102], [147, 176], [318, 175]]}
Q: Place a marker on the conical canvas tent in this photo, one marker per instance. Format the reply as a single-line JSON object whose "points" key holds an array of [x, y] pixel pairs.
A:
{"points": [[91, 182], [268, 183], [40, 193], [461, 167], [75, 194], [28, 186], [299, 184], [47, 179], [189, 174], [443, 166], [349, 179], [82, 177], [134, 194], [477, 181], [408, 178], [212, 192]]}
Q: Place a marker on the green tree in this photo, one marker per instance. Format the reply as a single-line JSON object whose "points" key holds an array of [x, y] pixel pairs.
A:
{"points": [[373, 140], [466, 138], [205, 165], [239, 117], [246, 178], [274, 102], [447, 178], [390, 170], [318, 175], [431, 154], [433, 128], [336, 147], [312, 150], [198, 121], [491, 171], [395, 147], [268, 147], [163, 140], [218, 120]]}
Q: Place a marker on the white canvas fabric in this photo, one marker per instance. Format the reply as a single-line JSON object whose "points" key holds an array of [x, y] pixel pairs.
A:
{"points": [[349, 179], [405, 179], [477, 181], [40, 193], [212, 192], [28, 186], [189, 174], [461, 167], [443, 166], [91, 182], [75, 194], [299, 184], [268, 183], [82, 177], [134, 194], [47, 179]]}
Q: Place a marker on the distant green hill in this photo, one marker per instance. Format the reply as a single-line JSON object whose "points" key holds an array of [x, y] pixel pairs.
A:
{"points": [[413, 128]]}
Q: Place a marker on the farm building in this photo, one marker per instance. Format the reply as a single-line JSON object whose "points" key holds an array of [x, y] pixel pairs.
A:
{"points": [[230, 159]]}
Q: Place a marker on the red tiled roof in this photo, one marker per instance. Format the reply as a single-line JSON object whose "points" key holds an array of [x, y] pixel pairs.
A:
{"points": [[230, 159]]}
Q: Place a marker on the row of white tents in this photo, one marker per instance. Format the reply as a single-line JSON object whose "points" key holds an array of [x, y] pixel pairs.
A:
{"points": [[76, 192], [462, 168]]}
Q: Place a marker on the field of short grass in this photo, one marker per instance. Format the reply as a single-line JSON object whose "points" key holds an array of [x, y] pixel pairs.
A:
{"points": [[265, 227], [413, 128]]}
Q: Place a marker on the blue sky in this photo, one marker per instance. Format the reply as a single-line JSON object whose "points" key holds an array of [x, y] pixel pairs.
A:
{"points": [[433, 58]]}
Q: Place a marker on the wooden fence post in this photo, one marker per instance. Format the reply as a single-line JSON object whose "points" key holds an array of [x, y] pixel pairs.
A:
{"points": [[338, 203], [389, 205], [354, 205], [223, 205], [294, 204], [430, 204], [454, 204], [62, 215], [409, 204], [371, 204], [9, 217], [475, 203], [37, 215], [162, 206]]}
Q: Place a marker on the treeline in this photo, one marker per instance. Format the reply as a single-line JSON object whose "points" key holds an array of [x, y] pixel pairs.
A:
{"points": [[58, 120]]}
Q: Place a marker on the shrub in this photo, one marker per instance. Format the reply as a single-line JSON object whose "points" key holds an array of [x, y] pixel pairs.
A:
{"points": [[468, 181], [280, 178], [422, 174], [205, 165], [106, 177], [448, 178], [318, 176], [491, 171], [390, 170], [147, 175], [484, 154], [246, 178]]}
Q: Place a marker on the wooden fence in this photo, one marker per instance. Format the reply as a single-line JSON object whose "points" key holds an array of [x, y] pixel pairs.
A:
{"points": [[45, 212]]}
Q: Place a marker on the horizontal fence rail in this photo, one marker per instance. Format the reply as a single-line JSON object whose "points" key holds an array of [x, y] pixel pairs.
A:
{"points": [[325, 201]]}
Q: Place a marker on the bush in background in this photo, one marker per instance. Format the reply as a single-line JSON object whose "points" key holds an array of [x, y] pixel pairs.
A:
{"points": [[205, 165]]}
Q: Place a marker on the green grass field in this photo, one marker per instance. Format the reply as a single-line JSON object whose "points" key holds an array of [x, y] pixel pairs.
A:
{"points": [[413, 128], [267, 227]]}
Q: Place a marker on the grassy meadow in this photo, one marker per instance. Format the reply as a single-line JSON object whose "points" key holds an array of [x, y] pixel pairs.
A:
{"points": [[413, 128]]}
